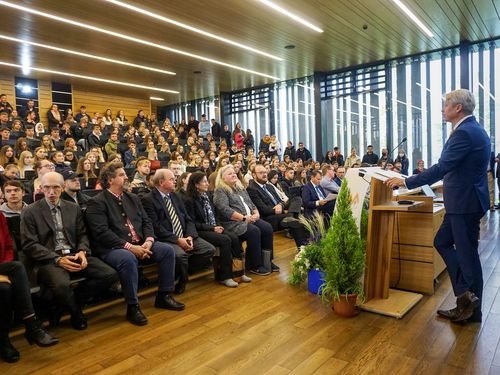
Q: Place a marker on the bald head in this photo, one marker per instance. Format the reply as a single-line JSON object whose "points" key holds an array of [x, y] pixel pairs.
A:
{"points": [[52, 185]]}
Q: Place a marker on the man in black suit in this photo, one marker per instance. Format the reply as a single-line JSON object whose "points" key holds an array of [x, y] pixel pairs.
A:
{"points": [[29, 107], [54, 238], [272, 208], [94, 138], [172, 224], [123, 236], [314, 196]]}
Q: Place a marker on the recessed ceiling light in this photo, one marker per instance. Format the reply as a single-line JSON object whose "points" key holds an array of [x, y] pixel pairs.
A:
{"points": [[155, 98], [290, 46], [190, 28], [291, 15], [98, 79], [130, 38], [414, 18], [86, 55]]}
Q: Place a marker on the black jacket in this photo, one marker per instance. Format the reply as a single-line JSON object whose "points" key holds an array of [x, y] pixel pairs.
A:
{"points": [[196, 209], [80, 197], [106, 225], [157, 212], [262, 200], [290, 151]]}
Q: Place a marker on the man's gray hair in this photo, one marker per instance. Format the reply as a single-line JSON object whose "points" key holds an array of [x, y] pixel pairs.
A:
{"points": [[58, 176], [159, 176], [463, 97]]}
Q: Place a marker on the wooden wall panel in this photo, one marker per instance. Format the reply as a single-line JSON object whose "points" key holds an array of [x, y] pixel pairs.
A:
{"points": [[99, 102], [7, 87]]}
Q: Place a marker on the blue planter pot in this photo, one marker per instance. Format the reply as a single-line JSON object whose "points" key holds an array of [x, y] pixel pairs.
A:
{"points": [[314, 280]]}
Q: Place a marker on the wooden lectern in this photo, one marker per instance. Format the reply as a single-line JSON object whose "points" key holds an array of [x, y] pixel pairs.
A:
{"points": [[378, 297]]}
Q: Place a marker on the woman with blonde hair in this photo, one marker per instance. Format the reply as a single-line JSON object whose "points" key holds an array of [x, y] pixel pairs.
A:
{"points": [[239, 215], [151, 150], [70, 144], [223, 161], [25, 163], [47, 144], [40, 154]]}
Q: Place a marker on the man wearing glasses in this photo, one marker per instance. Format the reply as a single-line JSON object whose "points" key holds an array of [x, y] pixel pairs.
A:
{"points": [[54, 238]]}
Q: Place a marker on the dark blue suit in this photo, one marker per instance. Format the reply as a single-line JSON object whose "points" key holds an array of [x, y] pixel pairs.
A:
{"points": [[462, 166], [310, 197]]}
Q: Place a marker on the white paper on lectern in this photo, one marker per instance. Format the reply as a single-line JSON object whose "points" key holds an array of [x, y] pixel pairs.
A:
{"points": [[380, 174]]}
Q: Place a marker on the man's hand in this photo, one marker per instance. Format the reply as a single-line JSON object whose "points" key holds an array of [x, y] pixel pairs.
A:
{"points": [[218, 229], [185, 244], [322, 202], [4, 279], [68, 263], [147, 245], [255, 216], [395, 181], [140, 252], [278, 209], [83, 259]]}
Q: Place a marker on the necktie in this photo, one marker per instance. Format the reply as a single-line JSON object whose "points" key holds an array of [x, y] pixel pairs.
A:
{"points": [[176, 224], [270, 195], [320, 194]]}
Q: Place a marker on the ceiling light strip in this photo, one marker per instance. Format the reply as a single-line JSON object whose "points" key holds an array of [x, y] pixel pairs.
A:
{"points": [[191, 28], [130, 38], [155, 98], [413, 17], [291, 15], [95, 57], [91, 78]]}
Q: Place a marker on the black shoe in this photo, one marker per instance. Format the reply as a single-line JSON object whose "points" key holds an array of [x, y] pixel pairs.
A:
{"points": [[168, 302], [35, 334], [274, 268], [261, 271], [180, 288], [291, 222], [7, 350], [466, 304], [135, 315], [78, 321]]}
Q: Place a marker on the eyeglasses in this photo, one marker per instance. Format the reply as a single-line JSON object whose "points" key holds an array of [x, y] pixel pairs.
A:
{"points": [[50, 166]]}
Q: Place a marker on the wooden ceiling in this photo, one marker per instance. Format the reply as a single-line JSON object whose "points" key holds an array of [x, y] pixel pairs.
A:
{"points": [[343, 43]]}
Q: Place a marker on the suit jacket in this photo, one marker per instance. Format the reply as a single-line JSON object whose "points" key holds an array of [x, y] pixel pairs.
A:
{"points": [[310, 197], [106, 225], [38, 230], [462, 166], [196, 209], [156, 209], [94, 140], [262, 200], [80, 197], [226, 203], [329, 185]]}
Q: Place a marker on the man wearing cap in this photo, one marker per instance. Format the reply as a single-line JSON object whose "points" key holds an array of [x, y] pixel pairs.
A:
{"points": [[72, 189]]}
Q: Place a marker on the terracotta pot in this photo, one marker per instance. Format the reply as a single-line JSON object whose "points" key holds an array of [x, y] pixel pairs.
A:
{"points": [[346, 307]]}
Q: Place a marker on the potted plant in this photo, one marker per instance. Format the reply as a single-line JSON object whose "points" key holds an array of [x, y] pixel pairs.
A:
{"points": [[308, 263], [343, 252]]}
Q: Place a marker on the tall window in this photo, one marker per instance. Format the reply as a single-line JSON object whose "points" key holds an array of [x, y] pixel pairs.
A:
{"points": [[418, 87], [26, 89], [485, 84], [182, 111], [294, 116], [354, 110]]}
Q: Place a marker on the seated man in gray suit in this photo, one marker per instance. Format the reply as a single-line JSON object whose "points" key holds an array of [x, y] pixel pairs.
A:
{"points": [[54, 238], [328, 182]]}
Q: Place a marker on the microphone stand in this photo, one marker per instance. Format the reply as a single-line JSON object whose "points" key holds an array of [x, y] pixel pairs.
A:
{"points": [[390, 154]]}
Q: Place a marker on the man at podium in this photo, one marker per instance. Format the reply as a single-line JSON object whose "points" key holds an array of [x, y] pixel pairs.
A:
{"points": [[462, 166]]}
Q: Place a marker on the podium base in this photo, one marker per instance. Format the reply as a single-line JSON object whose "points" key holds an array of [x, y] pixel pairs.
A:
{"points": [[396, 306]]}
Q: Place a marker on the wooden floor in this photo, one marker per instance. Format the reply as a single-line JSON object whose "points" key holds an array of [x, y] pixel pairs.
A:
{"points": [[268, 327]]}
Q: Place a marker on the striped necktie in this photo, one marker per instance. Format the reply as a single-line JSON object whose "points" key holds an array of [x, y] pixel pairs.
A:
{"points": [[176, 224]]}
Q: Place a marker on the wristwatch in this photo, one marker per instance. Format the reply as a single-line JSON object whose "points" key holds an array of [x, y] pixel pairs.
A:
{"points": [[244, 218]]}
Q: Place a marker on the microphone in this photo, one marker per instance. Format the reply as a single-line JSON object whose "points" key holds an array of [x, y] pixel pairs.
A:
{"points": [[390, 154]]}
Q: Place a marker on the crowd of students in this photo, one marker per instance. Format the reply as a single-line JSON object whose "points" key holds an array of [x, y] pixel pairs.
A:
{"points": [[97, 195]]}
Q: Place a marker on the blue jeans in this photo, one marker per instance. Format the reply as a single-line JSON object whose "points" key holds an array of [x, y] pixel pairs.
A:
{"points": [[126, 264]]}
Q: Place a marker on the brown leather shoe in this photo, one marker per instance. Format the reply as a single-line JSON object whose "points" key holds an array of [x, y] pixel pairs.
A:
{"points": [[466, 304], [448, 314]]}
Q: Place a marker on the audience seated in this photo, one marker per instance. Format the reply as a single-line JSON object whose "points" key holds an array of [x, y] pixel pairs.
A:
{"points": [[122, 235], [199, 202], [314, 196], [54, 239], [72, 189], [173, 224], [13, 192], [238, 214]]}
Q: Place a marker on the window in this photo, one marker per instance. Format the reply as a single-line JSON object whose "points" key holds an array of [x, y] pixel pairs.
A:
{"points": [[26, 89], [62, 96]]}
